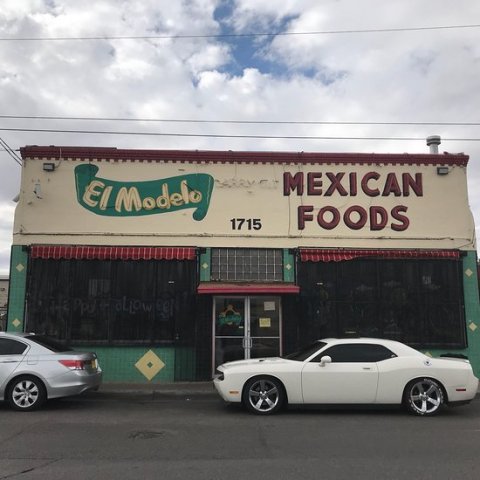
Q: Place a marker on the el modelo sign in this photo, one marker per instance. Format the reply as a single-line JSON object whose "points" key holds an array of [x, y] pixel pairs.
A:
{"points": [[112, 198]]}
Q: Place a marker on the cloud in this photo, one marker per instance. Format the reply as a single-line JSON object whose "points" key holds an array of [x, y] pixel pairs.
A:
{"points": [[428, 76]]}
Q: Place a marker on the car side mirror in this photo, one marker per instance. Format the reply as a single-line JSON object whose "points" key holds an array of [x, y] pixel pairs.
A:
{"points": [[324, 360]]}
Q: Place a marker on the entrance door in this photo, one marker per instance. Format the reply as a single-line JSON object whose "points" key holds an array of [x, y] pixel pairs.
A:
{"points": [[246, 327]]}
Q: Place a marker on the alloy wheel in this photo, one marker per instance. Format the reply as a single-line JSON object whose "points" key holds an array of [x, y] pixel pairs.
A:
{"points": [[425, 397], [264, 396]]}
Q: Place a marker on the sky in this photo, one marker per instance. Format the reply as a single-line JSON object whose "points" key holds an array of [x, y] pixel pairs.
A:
{"points": [[196, 62]]}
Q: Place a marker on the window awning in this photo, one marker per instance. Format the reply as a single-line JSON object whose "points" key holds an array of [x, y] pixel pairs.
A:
{"points": [[338, 255], [246, 288], [85, 252]]}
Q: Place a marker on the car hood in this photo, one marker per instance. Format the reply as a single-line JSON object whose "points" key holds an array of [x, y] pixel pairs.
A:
{"points": [[254, 361]]}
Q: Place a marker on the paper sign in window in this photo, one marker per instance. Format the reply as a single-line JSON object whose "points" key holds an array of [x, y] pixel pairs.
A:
{"points": [[269, 306], [265, 322]]}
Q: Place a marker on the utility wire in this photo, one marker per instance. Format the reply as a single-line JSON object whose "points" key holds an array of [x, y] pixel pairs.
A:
{"points": [[278, 137], [240, 35], [247, 122], [10, 151]]}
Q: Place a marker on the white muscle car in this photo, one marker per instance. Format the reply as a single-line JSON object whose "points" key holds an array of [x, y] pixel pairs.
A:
{"points": [[348, 371]]}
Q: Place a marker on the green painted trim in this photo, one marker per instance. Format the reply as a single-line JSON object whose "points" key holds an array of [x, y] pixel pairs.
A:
{"points": [[205, 265], [472, 313], [288, 266], [185, 364], [17, 289], [119, 363]]}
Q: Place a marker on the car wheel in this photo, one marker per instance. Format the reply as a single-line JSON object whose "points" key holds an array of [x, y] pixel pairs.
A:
{"points": [[263, 395], [26, 393], [424, 397]]}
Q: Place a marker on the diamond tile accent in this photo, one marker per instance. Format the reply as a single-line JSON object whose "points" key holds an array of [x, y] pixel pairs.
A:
{"points": [[204, 265], [288, 266], [468, 272], [20, 267], [472, 327], [149, 365], [16, 323]]}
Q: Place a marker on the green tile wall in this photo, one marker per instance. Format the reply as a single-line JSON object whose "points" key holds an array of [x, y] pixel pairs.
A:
{"points": [[118, 363], [288, 266], [16, 293], [205, 265], [472, 313]]}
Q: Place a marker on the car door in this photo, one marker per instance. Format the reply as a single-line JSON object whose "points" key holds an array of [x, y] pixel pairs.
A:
{"points": [[351, 377], [11, 355]]}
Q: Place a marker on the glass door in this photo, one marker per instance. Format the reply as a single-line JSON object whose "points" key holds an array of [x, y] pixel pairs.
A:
{"points": [[246, 327], [264, 327]]}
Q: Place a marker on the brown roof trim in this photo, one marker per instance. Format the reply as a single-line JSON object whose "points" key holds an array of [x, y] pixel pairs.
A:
{"points": [[228, 156]]}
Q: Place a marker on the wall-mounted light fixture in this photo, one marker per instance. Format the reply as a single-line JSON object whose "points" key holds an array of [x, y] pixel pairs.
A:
{"points": [[48, 167], [443, 171]]}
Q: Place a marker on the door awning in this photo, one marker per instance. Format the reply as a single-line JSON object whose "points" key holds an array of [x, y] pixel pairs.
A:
{"points": [[86, 252], [338, 255], [246, 288]]}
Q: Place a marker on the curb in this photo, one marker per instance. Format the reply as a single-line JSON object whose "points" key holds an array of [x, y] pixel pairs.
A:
{"points": [[179, 388]]}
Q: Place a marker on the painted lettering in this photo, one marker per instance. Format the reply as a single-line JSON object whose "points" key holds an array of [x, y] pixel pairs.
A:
{"points": [[397, 215], [336, 184], [91, 191], [128, 199], [314, 183], [304, 215]]}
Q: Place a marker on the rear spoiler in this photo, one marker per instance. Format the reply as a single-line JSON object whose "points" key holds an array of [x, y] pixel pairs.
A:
{"points": [[454, 355]]}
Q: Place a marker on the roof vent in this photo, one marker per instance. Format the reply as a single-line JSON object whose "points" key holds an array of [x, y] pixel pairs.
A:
{"points": [[433, 141]]}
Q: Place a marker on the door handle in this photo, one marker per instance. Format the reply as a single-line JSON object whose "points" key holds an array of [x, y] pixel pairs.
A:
{"points": [[9, 361], [366, 368]]}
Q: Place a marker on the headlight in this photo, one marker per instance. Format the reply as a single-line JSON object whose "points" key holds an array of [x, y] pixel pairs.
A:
{"points": [[219, 375]]}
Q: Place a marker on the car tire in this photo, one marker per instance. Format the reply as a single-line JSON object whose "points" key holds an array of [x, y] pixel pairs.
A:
{"points": [[263, 395], [424, 397], [26, 393]]}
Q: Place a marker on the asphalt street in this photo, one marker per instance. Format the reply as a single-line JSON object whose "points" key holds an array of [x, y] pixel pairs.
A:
{"points": [[170, 434]]}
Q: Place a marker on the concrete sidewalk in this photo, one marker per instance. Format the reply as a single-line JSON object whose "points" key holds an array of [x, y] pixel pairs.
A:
{"points": [[177, 388]]}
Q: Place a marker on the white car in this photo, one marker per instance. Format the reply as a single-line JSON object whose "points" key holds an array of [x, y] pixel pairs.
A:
{"points": [[348, 371]]}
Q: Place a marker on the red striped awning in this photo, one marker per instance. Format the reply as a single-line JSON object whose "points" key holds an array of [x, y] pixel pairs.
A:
{"points": [[85, 252], [339, 255], [246, 288]]}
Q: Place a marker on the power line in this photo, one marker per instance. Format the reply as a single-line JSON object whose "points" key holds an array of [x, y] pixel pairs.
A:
{"points": [[10, 151], [247, 122], [240, 35], [278, 137]]}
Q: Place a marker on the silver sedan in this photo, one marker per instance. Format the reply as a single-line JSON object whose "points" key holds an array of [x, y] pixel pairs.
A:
{"points": [[34, 368]]}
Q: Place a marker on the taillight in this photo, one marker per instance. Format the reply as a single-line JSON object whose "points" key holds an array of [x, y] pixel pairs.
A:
{"points": [[73, 364]]}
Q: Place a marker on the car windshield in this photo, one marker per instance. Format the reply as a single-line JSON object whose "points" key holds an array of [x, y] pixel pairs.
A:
{"points": [[305, 352], [50, 343]]}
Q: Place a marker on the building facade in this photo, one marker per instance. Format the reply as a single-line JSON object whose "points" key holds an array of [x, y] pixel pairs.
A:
{"points": [[167, 263]]}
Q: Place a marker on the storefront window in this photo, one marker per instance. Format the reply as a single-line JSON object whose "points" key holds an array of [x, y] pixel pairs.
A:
{"points": [[111, 301], [246, 264], [419, 302]]}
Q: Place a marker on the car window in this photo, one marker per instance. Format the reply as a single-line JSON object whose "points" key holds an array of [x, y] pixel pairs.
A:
{"points": [[305, 352], [356, 352], [50, 343], [11, 347]]}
